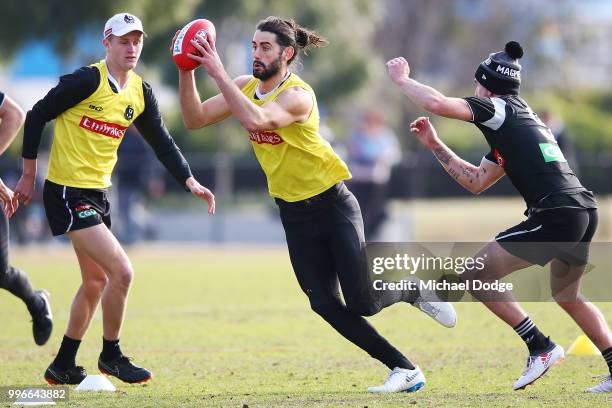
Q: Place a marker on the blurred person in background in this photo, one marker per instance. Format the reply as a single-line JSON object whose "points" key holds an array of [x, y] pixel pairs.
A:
{"points": [[373, 151], [562, 214], [12, 279], [563, 138], [321, 217], [137, 179], [327, 133], [93, 107]]}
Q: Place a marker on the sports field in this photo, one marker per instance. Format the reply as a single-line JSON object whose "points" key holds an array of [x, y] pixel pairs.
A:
{"points": [[229, 327]]}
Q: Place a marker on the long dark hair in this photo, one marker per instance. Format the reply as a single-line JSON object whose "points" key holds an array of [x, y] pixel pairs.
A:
{"points": [[291, 34]]}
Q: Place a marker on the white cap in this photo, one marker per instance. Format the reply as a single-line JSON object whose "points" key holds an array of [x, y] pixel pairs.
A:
{"points": [[121, 24]]}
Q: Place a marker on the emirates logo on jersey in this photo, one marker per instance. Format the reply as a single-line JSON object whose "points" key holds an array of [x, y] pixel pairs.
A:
{"points": [[265, 137], [102, 128], [499, 157]]}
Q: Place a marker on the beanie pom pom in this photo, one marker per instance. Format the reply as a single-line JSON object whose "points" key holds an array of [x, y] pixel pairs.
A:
{"points": [[514, 50]]}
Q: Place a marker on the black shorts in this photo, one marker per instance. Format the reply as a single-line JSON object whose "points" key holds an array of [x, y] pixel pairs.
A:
{"points": [[73, 208], [562, 233]]}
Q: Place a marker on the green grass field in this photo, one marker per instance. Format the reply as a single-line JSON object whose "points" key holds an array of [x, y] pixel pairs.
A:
{"points": [[225, 327]]}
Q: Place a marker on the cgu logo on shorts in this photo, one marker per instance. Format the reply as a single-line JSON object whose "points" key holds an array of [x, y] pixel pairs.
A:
{"points": [[551, 152], [84, 211], [102, 128], [265, 137]]}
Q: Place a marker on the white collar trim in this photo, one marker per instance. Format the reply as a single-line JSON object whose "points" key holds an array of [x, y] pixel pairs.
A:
{"points": [[114, 81], [264, 96]]}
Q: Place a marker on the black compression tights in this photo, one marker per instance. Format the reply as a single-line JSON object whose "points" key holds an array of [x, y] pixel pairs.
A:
{"points": [[325, 241]]}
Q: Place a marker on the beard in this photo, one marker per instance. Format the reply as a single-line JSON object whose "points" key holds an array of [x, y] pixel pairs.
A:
{"points": [[267, 72]]}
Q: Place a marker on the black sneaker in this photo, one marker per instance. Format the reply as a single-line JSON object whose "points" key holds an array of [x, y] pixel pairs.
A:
{"points": [[73, 375], [122, 368], [42, 323]]}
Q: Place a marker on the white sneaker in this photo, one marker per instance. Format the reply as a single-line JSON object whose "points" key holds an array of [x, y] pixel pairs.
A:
{"points": [[430, 304], [604, 386], [402, 379], [538, 365]]}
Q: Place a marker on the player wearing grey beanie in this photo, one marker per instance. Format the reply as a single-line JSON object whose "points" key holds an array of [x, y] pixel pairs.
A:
{"points": [[500, 73]]}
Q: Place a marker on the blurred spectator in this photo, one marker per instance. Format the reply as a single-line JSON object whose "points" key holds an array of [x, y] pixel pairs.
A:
{"points": [[564, 140], [137, 177], [327, 133], [373, 151]]}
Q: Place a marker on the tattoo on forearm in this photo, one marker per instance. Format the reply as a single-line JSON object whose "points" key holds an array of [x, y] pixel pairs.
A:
{"points": [[456, 169], [468, 173], [454, 174], [442, 155]]}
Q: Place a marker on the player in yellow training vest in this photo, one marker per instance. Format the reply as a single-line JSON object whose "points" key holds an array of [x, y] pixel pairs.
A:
{"points": [[321, 217], [93, 107]]}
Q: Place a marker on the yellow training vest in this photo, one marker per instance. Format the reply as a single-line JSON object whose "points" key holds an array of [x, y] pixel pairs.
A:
{"points": [[87, 136], [297, 161]]}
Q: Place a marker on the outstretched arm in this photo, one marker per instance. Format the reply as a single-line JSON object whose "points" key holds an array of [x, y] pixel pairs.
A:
{"points": [[425, 96], [472, 178], [198, 114], [292, 105]]}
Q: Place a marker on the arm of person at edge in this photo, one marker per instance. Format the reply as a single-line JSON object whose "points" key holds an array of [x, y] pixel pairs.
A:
{"points": [[425, 96], [472, 178], [12, 118], [292, 105]]}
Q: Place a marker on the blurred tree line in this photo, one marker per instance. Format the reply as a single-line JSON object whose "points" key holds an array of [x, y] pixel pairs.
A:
{"points": [[443, 40], [336, 71], [564, 70]]}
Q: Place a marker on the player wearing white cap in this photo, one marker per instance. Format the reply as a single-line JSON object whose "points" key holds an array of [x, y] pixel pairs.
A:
{"points": [[93, 107]]}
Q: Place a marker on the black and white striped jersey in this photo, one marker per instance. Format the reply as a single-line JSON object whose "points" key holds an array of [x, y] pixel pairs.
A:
{"points": [[526, 148]]}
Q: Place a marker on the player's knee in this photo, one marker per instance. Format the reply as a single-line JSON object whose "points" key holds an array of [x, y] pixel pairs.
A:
{"points": [[94, 287], [361, 307], [320, 307], [467, 275], [122, 276], [324, 306], [126, 277], [566, 299]]}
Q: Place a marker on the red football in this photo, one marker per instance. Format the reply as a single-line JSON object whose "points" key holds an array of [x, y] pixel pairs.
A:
{"points": [[183, 46]]}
